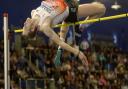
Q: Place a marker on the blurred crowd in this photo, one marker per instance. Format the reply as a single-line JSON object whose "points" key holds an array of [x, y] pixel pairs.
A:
{"points": [[107, 68]]}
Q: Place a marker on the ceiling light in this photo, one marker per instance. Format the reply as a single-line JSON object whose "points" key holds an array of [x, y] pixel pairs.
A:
{"points": [[116, 6]]}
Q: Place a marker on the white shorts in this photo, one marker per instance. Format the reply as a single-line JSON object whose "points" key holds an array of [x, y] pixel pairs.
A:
{"points": [[45, 11]]}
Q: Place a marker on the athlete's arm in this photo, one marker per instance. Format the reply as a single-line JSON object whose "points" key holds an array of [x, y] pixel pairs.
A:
{"points": [[63, 31], [46, 29]]}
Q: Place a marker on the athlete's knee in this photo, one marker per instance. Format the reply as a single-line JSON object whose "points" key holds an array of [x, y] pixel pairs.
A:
{"points": [[101, 7]]}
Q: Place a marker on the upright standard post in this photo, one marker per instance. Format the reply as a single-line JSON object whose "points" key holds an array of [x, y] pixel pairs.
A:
{"points": [[6, 56]]}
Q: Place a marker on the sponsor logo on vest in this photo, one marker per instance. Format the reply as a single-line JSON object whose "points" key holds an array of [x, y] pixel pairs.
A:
{"points": [[46, 7]]}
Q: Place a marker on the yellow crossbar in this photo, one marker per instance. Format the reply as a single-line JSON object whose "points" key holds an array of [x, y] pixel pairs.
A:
{"points": [[87, 21]]}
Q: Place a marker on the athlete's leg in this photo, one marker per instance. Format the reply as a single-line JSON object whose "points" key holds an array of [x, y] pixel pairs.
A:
{"points": [[92, 10]]}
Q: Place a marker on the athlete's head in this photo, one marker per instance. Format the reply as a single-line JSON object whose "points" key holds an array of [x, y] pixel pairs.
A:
{"points": [[29, 28]]}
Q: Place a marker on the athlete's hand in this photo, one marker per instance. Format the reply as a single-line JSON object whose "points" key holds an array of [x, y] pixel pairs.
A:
{"points": [[83, 58]]}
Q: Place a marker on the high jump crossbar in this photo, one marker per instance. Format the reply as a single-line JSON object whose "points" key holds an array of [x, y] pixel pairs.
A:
{"points": [[87, 21]]}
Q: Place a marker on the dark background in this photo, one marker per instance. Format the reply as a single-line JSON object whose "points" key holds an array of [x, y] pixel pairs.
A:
{"points": [[19, 10]]}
